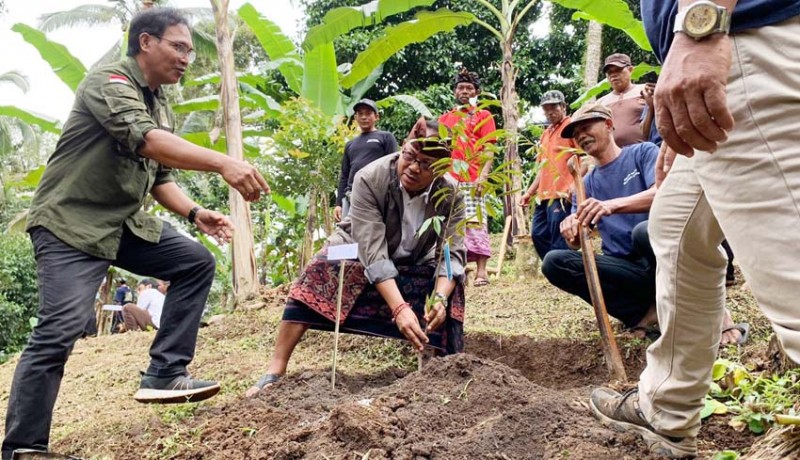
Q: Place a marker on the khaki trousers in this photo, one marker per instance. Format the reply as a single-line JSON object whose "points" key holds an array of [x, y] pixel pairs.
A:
{"points": [[750, 191]]}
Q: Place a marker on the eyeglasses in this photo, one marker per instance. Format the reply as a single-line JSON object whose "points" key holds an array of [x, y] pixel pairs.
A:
{"points": [[183, 50], [424, 165]]}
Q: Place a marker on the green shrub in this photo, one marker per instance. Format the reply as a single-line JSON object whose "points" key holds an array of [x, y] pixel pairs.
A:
{"points": [[19, 294]]}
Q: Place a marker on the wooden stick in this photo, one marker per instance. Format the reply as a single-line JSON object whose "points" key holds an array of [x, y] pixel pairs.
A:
{"points": [[503, 244], [610, 350], [336, 327]]}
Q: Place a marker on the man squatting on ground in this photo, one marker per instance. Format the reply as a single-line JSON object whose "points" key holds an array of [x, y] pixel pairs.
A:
{"points": [[116, 147], [722, 102], [360, 151], [619, 191], [387, 288], [478, 124]]}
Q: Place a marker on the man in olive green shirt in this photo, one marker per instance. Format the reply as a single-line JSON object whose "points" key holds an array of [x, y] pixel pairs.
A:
{"points": [[116, 148]]}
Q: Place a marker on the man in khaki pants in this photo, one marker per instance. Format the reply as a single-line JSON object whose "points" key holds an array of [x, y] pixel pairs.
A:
{"points": [[739, 174]]}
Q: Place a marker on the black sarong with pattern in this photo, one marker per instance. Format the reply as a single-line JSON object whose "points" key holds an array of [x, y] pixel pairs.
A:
{"points": [[312, 301]]}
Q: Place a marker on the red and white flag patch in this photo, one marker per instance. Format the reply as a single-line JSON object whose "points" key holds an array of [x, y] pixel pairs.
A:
{"points": [[114, 78]]}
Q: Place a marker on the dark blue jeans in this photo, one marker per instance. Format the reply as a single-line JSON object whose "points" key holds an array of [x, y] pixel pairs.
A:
{"points": [[68, 283], [545, 229], [628, 284]]}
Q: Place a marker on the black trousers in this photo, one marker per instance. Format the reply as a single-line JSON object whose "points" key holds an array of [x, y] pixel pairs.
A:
{"points": [[628, 284], [68, 282]]}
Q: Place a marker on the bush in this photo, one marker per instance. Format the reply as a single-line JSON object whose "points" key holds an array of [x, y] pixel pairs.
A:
{"points": [[19, 293]]}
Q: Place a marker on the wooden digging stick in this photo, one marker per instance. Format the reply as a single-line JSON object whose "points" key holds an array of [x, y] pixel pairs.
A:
{"points": [[610, 350], [338, 318]]}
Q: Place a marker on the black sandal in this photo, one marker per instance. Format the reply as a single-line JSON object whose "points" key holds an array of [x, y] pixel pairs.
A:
{"points": [[266, 380]]}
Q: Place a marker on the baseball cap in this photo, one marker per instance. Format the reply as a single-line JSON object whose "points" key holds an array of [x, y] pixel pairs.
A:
{"points": [[367, 103], [617, 60], [553, 97], [593, 111]]}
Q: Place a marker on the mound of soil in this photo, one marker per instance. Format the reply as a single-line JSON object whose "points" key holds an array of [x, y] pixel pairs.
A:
{"points": [[458, 407]]}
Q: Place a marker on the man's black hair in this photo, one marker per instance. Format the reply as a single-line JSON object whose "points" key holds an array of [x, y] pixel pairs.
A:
{"points": [[153, 21], [147, 282]]}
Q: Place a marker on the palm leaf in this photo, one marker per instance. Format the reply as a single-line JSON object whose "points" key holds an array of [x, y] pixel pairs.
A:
{"points": [[15, 78], [275, 44], [340, 21], [68, 68], [424, 25], [359, 89], [638, 72], [80, 16], [44, 122], [321, 79], [613, 13], [412, 101]]}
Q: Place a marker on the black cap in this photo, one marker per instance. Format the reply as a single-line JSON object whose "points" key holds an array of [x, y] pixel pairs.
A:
{"points": [[366, 103]]}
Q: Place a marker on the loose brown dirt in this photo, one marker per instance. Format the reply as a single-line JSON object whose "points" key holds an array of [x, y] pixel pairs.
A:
{"points": [[520, 391]]}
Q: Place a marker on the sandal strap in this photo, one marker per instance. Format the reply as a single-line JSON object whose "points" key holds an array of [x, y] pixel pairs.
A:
{"points": [[267, 379]]}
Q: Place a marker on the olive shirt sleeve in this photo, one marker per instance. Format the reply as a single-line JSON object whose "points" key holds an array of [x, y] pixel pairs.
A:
{"points": [[120, 109]]}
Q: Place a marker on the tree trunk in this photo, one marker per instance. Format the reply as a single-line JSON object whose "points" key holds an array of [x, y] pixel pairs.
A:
{"points": [[508, 96], [245, 282], [594, 45]]}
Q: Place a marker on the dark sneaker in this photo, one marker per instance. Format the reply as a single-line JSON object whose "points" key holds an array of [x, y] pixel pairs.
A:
{"points": [[621, 412], [168, 390]]}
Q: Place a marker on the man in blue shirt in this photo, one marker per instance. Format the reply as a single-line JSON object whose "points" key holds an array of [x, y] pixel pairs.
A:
{"points": [[619, 192], [729, 114]]}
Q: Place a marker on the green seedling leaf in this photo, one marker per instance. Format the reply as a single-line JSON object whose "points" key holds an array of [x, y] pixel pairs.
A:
{"points": [[726, 455], [720, 368]]}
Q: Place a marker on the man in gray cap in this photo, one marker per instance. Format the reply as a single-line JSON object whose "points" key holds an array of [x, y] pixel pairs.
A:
{"points": [[625, 100], [360, 151], [619, 190], [553, 181]]}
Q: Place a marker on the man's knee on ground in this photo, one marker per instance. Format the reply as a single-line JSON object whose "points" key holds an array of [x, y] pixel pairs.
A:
{"points": [[553, 265]]}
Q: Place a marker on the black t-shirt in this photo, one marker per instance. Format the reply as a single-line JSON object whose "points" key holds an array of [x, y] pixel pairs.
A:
{"points": [[359, 152]]}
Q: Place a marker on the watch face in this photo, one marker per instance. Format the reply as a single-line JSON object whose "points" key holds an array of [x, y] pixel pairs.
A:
{"points": [[700, 20]]}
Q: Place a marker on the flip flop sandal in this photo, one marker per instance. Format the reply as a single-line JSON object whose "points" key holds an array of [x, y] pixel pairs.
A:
{"points": [[480, 282], [743, 328], [267, 380]]}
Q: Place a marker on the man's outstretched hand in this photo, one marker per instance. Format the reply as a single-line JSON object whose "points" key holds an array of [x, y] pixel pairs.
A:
{"points": [[691, 105], [215, 225], [245, 179]]}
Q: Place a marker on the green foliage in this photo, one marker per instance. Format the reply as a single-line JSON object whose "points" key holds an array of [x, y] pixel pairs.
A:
{"points": [[19, 298], [726, 455], [66, 66], [44, 122], [758, 400], [276, 45], [614, 13], [395, 38], [339, 21]]}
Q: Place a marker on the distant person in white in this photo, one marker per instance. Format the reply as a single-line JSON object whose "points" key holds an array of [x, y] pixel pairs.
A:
{"points": [[146, 312]]}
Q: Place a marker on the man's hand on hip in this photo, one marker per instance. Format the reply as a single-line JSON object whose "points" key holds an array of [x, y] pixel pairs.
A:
{"points": [[691, 106]]}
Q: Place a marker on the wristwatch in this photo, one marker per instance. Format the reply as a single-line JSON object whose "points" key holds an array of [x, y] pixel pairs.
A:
{"points": [[701, 19], [441, 297]]}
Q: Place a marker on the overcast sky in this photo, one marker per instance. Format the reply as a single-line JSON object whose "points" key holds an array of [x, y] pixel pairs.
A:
{"points": [[50, 96]]}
